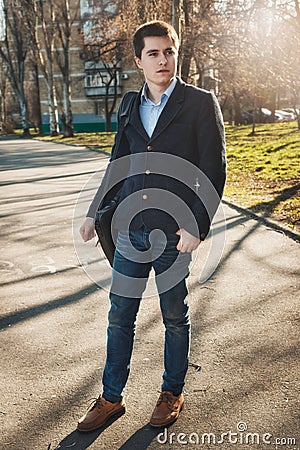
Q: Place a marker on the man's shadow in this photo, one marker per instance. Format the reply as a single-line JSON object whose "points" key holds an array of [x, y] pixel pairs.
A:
{"points": [[140, 440]]}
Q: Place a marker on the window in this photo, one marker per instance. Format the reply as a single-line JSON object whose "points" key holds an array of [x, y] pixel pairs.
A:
{"points": [[96, 79]]}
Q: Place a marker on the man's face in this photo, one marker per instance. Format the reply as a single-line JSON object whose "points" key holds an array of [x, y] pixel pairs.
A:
{"points": [[158, 61]]}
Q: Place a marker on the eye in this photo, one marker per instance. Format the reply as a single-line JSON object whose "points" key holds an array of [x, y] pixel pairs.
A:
{"points": [[170, 52], [153, 54]]}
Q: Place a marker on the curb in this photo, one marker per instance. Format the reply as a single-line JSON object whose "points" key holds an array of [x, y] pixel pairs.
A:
{"points": [[266, 221], [93, 149], [99, 150]]}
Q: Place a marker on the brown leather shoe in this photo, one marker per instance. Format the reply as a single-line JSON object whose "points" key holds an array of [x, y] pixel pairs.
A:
{"points": [[98, 414], [167, 409]]}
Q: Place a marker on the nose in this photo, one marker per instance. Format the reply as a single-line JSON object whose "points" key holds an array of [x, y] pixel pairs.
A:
{"points": [[163, 60]]}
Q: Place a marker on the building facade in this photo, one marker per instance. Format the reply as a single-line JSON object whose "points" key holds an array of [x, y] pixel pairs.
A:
{"points": [[89, 78]]}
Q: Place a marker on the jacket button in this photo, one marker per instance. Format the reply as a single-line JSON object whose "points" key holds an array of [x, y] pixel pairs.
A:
{"points": [[149, 148], [145, 197], [147, 172]]}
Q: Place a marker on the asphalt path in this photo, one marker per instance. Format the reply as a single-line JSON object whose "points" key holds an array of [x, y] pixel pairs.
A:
{"points": [[242, 388]]}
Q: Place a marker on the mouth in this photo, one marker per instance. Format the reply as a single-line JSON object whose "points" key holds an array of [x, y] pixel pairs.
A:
{"points": [[162, 71]]}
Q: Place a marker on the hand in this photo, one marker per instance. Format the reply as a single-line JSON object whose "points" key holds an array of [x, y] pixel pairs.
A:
{"points": [[87, 229], [187, 242]]}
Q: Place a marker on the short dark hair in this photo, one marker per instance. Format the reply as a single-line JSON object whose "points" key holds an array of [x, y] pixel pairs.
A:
{"points": [[153, 28]]}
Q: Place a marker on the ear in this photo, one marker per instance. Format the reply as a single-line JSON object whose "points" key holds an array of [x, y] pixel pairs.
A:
{"points": [[138, 62]]}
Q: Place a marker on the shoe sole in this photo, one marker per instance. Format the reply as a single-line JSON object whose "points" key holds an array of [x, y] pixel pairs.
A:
{"points": [[169, 422], [109, 420]]}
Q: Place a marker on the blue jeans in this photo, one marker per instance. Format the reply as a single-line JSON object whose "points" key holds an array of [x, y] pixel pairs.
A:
{"points": [[133, 261]]}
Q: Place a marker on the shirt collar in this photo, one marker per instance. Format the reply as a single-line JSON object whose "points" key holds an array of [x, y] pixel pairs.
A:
{"points": [[168, 91]]}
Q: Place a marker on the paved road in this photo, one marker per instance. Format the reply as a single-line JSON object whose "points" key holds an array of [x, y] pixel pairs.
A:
{"points": [[53, 317]]}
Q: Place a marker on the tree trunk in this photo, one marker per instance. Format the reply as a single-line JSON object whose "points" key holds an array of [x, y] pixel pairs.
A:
{"points": [[3, 105], [253, 125], [254, 117], [63, 26], [186, 63], [108, 114], [24, 117], [273, 105], [23, 104], [38, 113], [109, 109], [44, 43], [67, 118], [52, 104], [188, 51], [238, 120]]}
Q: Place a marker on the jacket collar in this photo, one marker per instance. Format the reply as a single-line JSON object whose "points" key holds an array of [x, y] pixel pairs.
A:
{"points": [[171, 109]]}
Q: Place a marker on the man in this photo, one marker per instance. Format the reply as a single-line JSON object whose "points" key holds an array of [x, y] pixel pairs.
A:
{"points": [[170, 121]]}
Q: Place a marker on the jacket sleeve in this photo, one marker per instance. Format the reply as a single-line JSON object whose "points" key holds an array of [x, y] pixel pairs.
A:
{"points": [[211, 162], [110, 185]]}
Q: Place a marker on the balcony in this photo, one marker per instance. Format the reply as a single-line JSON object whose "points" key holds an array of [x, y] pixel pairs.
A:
{"points": [[98, 78], [100, 91]]}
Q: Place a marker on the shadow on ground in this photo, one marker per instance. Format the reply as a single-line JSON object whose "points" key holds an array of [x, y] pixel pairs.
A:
{"points": [[140, 440]]}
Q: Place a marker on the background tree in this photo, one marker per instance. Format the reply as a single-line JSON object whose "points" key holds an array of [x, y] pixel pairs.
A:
{"points": [[248, 53], [107, 35], [104, 47], [6, 124], [13, 52], [43, 35], [198, 36], [33, 93], [288, 49], [252, 52], [63, 24]]}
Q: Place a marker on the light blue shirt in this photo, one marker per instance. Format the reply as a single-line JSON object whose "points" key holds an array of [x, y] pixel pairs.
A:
{"points": [[150, 111]]}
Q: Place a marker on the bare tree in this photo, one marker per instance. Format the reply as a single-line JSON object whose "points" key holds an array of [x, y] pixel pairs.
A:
{"points": [[140, 11], [63, 23], [33, 93], [3, 86], [288, 50], [104, 46], [107, 41], [13, 52], [43, 36], [196, 39], [247, 48]]}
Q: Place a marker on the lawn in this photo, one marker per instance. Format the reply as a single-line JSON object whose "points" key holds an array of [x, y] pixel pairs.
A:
{"points": [[102, 140], [263, 170]]}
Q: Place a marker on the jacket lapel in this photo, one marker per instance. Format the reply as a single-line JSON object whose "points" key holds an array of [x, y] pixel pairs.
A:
{"points": [[135, 118], [171, 109]]}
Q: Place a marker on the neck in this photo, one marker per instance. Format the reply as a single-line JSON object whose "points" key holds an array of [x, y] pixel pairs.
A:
{"points": [[155, 92]]}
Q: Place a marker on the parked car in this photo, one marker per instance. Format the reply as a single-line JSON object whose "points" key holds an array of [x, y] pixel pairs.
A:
{"points": [[261, 115], [264, 115], [284, 116], [293, 111]]}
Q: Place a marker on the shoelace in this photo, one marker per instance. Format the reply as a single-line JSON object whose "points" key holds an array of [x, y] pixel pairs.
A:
{"points": [[95, 403], [167, 398]]}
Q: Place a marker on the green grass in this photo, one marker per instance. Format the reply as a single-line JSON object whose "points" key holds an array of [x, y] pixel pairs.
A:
{"points": [[263, 170], [102, 140]]}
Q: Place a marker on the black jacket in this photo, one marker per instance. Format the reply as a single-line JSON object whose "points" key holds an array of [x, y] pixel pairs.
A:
{"points": [[174, 179]]}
